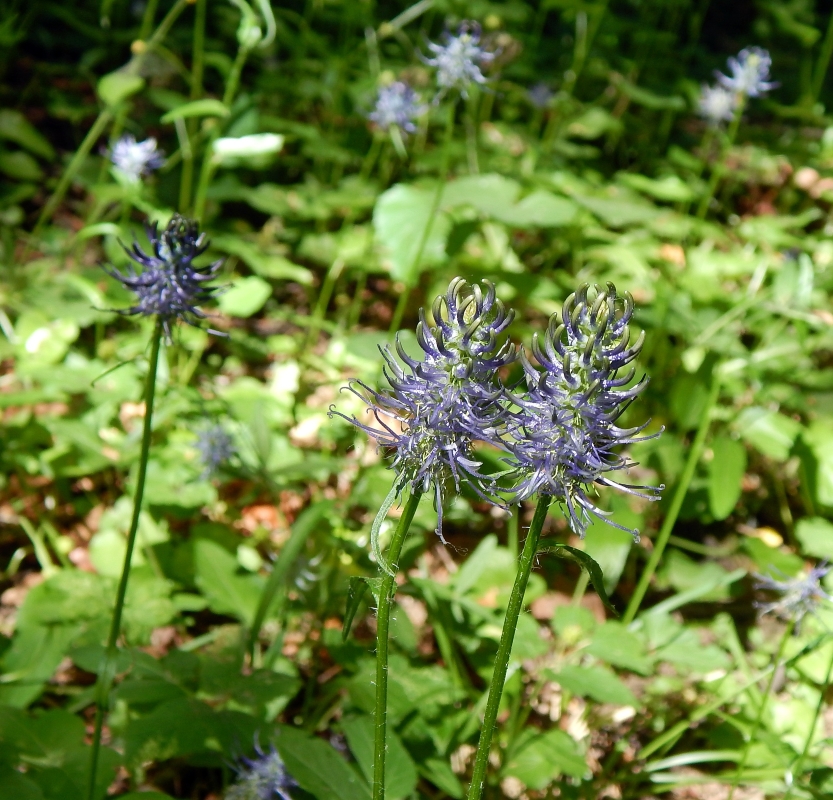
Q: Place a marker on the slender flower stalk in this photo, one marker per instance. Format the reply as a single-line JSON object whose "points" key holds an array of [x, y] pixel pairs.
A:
{"points": [[507, 637], [168, 288], [430, 418]]}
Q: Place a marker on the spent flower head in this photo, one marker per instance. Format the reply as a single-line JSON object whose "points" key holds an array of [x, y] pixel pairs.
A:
{"points": [[397, 104], [437, 408], [136, 159], [799, 596], [458, 61], [262, 778], [750, 73], [717, 104], [169, 285], [215, 447], [564, 439]]}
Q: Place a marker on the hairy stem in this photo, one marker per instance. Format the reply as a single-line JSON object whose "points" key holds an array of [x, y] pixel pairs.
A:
{"points": [[382, 632], [507, 636], [108, 668], [694, 453]]}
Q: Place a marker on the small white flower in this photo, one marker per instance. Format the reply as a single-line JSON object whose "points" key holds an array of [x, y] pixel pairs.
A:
{"points": [[717, 104], [397, 104], [135, 159], [750, 73], [458, 60]]}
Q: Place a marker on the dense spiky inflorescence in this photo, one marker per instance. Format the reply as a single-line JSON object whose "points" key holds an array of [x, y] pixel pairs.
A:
{"points": [[798, 596], [565, 438], [437, 408], [215, 448], [397, 104], [458, 61], [717, 104], [750, 73], [262, 778], [135, 159], [169, 285]]}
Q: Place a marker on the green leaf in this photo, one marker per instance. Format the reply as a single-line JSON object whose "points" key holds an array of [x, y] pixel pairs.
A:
{"points": [[671, 188], [400, 219], [267, 265], [541, 757], [597, 682], [769, 432], [595, 122], [16, 128], [400, 772], [541, 209], [619, 213], [376, 527], [358, 586], [218, 578], [726, 472], [588, 564], [118, 86], [772, 560], [20, 166], [491, 194], [16, 786], [246, 297], [197, 108], [615, 644], [439, 772], [318, 768], [816, 537]]}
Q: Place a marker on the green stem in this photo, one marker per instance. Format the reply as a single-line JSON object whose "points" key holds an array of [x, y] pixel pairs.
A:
{"points": [[719, 168], [147, 19], [824, 60], [382, 632], [799, 764], [507, 636], [750, 738], [426, 231], [694, 454], [471, 135], [108, 668], [197, 68], [102, 121]]}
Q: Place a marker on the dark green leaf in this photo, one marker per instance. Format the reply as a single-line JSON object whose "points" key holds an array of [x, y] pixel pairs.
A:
{"points": [[588, 564]]}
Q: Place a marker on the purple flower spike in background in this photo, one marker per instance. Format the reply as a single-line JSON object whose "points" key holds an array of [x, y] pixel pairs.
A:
{"points": [[458, 61], [397, 104], [717, 104], [216, 449], [136, 159], [262, 778], [169, 285], [437, 408], [565, 438], [798, 596], [750, 73]]}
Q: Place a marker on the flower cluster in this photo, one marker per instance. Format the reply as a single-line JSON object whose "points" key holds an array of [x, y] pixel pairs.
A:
{"points": [[798, 596], [565, 435], [458, 61], [437, 408], [716, 104], [397, 104], [750, 73], [559, 434], [262, 778], [215, 448], [169, 285], [136, 159]]}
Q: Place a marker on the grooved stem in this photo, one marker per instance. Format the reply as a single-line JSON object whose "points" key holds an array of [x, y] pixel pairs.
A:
{"points": [[108, 669], [382, 631], [507, 636]]}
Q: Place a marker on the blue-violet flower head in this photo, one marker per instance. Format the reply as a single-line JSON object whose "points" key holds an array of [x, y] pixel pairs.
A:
{"points": [[136, 159], [437, 408], [458, 61], [539, 95], [169, 285], [397, 104], [564, 439], [262, 778], [750, 73], [717, 104], [798, 596], [215, 447]]}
